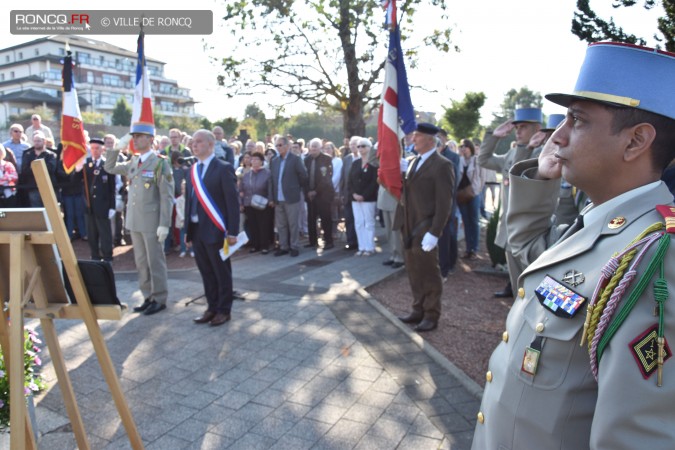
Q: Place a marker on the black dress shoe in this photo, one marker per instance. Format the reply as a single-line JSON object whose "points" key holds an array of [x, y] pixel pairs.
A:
{"points": [[205, 318], [236, 295], [426, 325], [281, 252], [310, 245], [396, 265], [143, 306], [411, 318], [294, 252], [388, 262], [328, 246], [351, 247], [154, 308], [219, 319]]}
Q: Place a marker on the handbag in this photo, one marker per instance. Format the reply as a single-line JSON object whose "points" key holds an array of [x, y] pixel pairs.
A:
{"points": [[465, 191], [258, 201]]}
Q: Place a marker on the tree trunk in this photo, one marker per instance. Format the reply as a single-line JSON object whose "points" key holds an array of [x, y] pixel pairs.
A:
{"points": [[352, 119]]}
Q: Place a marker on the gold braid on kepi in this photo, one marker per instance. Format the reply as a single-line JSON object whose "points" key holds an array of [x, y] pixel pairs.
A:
{"points": [[613, 271]]}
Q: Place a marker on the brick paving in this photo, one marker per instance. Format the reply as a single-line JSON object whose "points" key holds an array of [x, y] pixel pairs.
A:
{"points": [[307, 362]]}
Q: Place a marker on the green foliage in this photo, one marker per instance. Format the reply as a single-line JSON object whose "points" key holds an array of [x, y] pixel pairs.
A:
{"points": [[587, 26], [497, 254], [228, 124], [462, 118], [32, 381], [328, 53], [205, 123], [122, 113], [92, 118], [184, 123], [44, 112], [311, 125]]}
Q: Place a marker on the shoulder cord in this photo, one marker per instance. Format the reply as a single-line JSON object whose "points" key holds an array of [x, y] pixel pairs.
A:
{"points": [[603, 327], [611, 274]]}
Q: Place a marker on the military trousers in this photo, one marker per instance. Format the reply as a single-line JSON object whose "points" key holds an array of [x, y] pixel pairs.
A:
{"points": [[151, 265]]}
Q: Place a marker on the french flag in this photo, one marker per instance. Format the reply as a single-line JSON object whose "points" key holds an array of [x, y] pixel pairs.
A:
{"points": [[72, 128], [397, 115], [142, 120]]}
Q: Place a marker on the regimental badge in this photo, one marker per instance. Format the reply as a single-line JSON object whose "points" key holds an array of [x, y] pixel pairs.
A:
{"points": [[324, 171], [645, 350], [558, 298], [573, 278], [668, 213], [91, 165], [616, 222], [147, 185], [96, 172]]}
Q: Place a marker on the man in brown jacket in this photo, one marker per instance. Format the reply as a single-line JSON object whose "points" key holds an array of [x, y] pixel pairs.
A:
{"points": [[425, 207]]}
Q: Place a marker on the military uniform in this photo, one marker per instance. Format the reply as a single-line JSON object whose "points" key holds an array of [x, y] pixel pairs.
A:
{"points": [[100, 200], [561, 405], [149, 205], [503, 163]]}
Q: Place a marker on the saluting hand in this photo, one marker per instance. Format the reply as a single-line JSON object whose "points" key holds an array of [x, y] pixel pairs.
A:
{"points": [[504, 129], [549, 165]]}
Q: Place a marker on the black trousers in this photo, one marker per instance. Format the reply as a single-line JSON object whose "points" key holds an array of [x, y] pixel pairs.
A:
{"points": [[260, 222], [216, 273], [100, 237], [319, 208]]}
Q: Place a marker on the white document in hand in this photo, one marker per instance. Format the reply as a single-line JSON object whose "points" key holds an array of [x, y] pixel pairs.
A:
{"points": [[242, 239]]}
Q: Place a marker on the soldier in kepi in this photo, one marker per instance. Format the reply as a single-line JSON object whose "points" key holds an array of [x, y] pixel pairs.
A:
{"points": [[585, 360], [148, 215]]}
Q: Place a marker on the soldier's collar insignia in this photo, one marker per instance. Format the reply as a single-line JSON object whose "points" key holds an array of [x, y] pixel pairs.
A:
{"points": [[645, 351], [574, 278], [668, 213], [616, 222]]}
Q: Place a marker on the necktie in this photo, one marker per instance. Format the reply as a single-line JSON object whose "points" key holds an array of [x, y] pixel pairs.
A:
{"points": [[414, 166], [200, 169], [577, 225], [312, 175]]}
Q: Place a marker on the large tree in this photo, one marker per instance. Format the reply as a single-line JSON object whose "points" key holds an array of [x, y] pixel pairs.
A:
{"points": [[121, 115], [589, 27], [462, 117], [521, 98], [329, 53]]}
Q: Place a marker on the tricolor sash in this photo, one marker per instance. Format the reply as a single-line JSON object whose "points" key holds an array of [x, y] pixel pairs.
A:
{"points": [[207, 202]]}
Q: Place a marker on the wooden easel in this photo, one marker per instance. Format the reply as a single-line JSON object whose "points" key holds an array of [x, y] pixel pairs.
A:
{"points": [[29, 269]]}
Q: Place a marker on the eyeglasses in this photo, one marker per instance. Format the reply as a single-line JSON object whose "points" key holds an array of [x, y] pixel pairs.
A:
{"points": [[16, 131], [361, 146]]}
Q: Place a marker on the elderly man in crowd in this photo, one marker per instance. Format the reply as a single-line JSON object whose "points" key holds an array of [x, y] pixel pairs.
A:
{"points": [[15, 146], [37, 151], [289, 181], [320, 194], [37, 125]]}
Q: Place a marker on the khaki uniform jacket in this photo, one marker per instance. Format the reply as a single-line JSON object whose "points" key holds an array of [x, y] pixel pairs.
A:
{"points": [[151, 191], [562, 406], [425, 198], [501, 163]]}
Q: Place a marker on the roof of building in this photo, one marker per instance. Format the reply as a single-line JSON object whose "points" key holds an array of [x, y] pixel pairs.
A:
{"points": [[32, 95], [84, 42]]}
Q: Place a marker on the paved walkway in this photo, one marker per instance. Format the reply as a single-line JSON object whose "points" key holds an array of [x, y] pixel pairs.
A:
{"points": [[308, 361]]}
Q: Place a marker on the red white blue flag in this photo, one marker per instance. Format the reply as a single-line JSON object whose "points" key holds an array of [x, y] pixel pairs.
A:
{"points": [[141, 118], [397, 115], [72, 128], [390, 14]]}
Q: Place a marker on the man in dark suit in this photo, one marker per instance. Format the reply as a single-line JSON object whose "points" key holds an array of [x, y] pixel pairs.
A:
{"points": [[289, 181], [99, 192], [447, 246], [320, 194], [347, 161], [218, 180], [425, 207]]}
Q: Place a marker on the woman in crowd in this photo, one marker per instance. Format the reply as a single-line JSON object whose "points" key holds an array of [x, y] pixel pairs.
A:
{"points": [[259, 215], [363, 187], [8, 179], [472, 181]]}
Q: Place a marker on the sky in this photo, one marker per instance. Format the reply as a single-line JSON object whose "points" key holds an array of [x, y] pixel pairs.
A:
{"points": [[504, 44]]}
